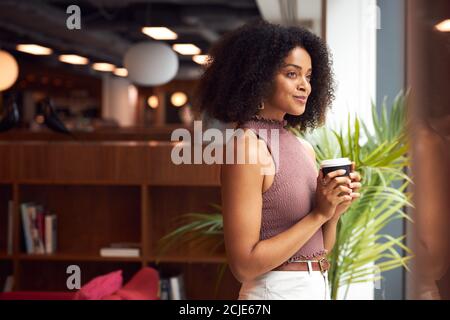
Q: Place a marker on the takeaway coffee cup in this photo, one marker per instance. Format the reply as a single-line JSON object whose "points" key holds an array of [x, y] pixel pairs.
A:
{"points": [[331, 165]]}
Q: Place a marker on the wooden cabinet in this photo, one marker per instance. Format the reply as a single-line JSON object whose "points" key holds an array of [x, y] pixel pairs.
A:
{"points": [[104, 192]]}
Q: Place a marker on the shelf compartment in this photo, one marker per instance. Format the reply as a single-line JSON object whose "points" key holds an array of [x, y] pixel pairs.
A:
{"points": [[89, 217], [5, 197], [200, 280], [38, 275], [6, 269]]}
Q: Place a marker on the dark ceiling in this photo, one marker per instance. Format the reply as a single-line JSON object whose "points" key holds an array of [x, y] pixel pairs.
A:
{"points": [[110, 27]]}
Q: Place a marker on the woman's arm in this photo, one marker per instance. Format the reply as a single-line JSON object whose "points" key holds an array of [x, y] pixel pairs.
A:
{"points": [[329, 234], [242, 186], [328, 228]]}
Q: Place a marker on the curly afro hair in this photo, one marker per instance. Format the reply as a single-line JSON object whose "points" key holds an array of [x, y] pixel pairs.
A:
{"points": [[242, 65]]}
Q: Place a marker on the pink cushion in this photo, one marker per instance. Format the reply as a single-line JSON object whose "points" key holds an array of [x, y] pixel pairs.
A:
{"points": [[100, 287], [143, 286]]}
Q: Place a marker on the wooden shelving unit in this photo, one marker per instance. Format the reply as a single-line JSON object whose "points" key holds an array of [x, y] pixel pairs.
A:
{"points": [[104, 192]]}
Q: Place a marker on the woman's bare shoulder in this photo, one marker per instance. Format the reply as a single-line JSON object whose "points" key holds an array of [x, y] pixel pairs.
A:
{"points": [[249, 145]]}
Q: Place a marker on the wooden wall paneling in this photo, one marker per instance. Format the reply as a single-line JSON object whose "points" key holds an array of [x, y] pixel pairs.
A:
{"points": [[163, 171], [170, 203], [7, 159]]}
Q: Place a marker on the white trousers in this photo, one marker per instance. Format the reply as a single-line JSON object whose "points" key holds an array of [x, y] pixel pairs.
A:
{"points": [[287, 285]]}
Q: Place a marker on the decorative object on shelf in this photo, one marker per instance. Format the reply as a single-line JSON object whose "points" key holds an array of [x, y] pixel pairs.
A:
{"points": [[51, 119], [151, 63], [121, 251], [381, 161], [10, 115], [9, 70]]}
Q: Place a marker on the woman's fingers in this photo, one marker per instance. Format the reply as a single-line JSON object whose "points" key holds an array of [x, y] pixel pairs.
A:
{"points": [[355, 195], [355, 186], [355, 176], [341, 189], [331, 175], [339, 181]]}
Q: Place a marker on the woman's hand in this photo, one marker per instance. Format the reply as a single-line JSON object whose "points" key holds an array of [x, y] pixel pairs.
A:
{"points": [[331, 192], [355, 185]]}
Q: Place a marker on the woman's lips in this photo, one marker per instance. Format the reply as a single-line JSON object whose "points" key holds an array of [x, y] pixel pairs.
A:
{"points": [[301, 99]]}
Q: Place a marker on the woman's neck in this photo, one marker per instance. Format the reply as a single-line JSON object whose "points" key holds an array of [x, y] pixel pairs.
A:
{"points": [[272, 114]]}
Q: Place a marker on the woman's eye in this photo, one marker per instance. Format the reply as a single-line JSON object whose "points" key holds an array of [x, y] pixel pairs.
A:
{"points": [[308, 77], [291, 74]]}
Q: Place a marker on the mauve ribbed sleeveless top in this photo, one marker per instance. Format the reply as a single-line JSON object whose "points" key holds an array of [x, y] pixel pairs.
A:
{"points": [[291, 195]]}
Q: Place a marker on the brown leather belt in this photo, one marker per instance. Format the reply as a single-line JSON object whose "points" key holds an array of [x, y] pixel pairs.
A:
{"points": [[316, 265]]}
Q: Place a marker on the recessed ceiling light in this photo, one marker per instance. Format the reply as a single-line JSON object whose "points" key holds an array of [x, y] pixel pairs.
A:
{"points": [[444, 26], [186, 48], [73, 59], [121, 72], [200, 58], [103, 66], [34, 49], [160, 33]]}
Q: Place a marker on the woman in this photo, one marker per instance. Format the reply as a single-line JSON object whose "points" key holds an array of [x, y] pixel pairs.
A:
{"points": [[279, 222]]}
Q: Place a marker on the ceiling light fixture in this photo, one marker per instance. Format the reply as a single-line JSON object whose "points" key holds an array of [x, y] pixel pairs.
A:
{"points": [[200, 58], [73, 59], [159, 33], [103, 66], [121, 72], [443, 26], [34, 49], [186, 48]]}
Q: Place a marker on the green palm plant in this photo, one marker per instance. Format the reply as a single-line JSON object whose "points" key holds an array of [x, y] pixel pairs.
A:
{"points": [[361, 251]]}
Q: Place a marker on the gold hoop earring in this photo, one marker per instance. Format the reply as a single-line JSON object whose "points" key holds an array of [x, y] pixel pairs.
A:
{"points": [[261, 106]]}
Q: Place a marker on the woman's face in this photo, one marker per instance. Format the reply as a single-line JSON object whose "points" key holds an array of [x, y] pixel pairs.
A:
{"points": [[292, 83]]}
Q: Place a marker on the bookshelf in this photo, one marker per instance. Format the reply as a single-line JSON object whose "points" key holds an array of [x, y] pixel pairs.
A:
{"points": [[104, 192]]}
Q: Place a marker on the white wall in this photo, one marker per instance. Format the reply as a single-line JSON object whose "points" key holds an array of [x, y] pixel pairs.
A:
{"points": [[351, 35]]}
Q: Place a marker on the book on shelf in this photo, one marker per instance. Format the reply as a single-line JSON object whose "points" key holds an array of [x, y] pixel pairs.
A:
{"points": [[9, 283], [121, 250], [172, 288], [50, 223], [9, 248], [164, 289], [39, 229], [38, 243], [26, 227]]}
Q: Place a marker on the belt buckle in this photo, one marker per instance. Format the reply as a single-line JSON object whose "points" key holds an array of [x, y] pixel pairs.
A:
{"points": [[320, 265]]}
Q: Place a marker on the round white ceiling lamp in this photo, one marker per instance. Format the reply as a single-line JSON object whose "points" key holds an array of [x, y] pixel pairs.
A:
{"points": [[9, 70], [151, 63]]}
